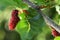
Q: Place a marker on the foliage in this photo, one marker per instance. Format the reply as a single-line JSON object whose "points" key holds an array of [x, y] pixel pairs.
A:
{"points": [[33, 26]]}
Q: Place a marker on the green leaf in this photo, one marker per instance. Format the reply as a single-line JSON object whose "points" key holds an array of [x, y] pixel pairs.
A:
{"points": [[23, 26], [57, 2], [37, 26], [57, 38], [12, 3]]}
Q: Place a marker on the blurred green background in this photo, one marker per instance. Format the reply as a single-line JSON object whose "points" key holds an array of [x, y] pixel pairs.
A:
{"points": [[39, 30]]}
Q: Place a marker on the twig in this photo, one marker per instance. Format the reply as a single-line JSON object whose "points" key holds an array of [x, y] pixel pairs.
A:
{"points": [[49, 21]]}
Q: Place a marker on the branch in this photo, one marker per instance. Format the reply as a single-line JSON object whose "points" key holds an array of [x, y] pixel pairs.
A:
{"points": [[48, 21]]}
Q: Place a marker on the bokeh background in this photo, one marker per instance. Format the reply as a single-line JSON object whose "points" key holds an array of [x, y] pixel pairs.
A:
{"points": [[39, 30]]}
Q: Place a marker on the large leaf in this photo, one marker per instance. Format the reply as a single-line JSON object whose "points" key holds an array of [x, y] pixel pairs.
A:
{"points": [[37, 26], [23, 26]]}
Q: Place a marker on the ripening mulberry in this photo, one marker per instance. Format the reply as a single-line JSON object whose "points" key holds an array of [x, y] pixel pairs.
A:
{"points": [[13, 20], [55, 33]]}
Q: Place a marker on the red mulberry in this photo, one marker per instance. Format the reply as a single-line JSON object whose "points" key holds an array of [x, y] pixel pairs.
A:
{"points": [[55, 33], [13, 20]]}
